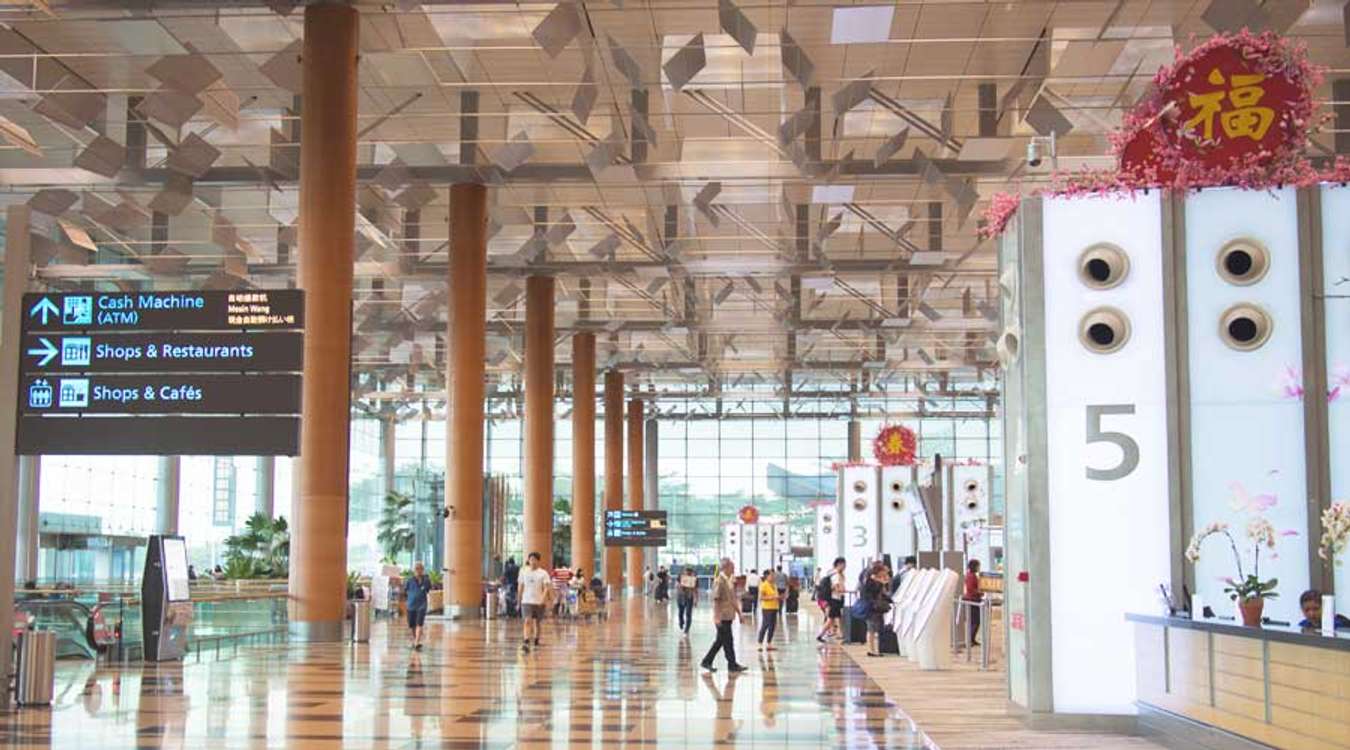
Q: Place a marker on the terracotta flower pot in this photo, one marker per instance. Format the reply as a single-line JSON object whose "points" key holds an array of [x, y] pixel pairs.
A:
{"points": [[1251, 611]]}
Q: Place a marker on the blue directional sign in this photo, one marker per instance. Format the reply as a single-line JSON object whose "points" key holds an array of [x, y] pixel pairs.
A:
{"points": [[635, 528], [271, 309], [162, 394], [170, 373], [264, 351]]}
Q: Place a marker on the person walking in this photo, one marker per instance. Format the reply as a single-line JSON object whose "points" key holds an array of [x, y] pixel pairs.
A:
{"points": [[834, 584], [752, 588], [973, 594], [876, 592], [535, 584], [416, 590], [510, 582], [685, 597], [725, 612], [768, 607], [662, 593]]}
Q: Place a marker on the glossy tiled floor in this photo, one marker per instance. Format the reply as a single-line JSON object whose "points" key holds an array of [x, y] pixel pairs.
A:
{"points": [[631, 680]]}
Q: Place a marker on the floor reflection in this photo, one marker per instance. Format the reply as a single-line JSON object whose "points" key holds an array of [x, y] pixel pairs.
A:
{"points": [[632, 679]]}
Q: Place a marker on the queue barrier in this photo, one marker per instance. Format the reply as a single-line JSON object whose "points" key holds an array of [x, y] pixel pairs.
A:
{"points": [[961, 640]]}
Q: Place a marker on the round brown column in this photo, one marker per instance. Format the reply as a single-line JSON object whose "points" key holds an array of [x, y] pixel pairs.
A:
{"points": [[614, 471], [583, 452], [634, 501], [539, 417], [318, 585], [464, 422]]}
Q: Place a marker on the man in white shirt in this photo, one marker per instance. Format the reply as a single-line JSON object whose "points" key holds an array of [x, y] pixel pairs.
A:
{"points": [[535, 584], [752, 588]]}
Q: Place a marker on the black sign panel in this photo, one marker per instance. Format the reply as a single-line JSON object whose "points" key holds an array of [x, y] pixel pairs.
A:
{"points": [[162, 436], [635, 528], [164, 311], [269, 351], [160, 394]]}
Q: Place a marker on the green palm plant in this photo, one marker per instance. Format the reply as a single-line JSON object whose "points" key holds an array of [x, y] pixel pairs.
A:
{"points": [[394, 532], [262, 547]]}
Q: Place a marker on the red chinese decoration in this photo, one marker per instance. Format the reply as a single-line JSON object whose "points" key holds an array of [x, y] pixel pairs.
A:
{"points": [[1235, 103], [895, 445], [1237, 110], [748, 514]]}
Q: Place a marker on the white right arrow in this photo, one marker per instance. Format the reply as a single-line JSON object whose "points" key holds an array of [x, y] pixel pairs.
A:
{"points": [[47, 352]]}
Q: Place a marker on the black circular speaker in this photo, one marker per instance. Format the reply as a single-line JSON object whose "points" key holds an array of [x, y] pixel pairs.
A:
{"points": [[1103, 266], [1104, 330], [1245, 327], [1242, 261]]}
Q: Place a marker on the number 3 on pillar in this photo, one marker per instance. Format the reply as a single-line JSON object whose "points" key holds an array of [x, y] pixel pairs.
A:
{"points": [[859, 536], [1129, 449]]}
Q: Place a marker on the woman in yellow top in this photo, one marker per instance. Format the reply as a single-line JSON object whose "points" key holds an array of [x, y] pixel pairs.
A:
{"points": [[768, 607]]}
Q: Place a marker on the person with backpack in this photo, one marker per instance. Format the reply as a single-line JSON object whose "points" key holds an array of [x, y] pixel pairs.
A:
{"points": [[830, 592], [874, 601]]}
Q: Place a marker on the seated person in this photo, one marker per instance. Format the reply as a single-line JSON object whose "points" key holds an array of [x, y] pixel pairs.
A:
{"points": [[1310, 602]]}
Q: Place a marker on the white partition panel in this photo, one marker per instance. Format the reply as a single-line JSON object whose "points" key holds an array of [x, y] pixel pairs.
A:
{"points": [[827, 536], [1106, 423], [767, 558], [860, 537], [1335, 269], [897, 513], [731, 542], [1246, 414], [749, 549], [969, 490]]}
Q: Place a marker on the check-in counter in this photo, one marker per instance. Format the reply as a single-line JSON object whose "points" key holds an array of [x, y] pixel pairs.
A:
{"points": [[1281, 686]]}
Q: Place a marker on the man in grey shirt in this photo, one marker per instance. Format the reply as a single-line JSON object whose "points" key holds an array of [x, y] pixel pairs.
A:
{"points": [[725, 612]]}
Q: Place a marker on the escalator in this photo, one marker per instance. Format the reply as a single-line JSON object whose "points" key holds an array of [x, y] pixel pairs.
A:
{"points": [[80, 632]]}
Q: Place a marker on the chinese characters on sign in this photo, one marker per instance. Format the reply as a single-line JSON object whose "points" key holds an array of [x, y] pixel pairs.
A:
{"points": [[1228, 110]]}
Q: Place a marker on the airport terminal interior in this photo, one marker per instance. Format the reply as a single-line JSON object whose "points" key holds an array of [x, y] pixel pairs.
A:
{"points": [[675, 373]]}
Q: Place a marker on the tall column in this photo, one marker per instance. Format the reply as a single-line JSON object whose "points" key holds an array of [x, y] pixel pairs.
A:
{"points": [[388, 451], [318, 581], [464, 423], [539, 417], [651, 490], [854, 440], [614, 470], [166, 501], [634, 500], [30, 480], [18, 242], [266, 495], [583, 452]]}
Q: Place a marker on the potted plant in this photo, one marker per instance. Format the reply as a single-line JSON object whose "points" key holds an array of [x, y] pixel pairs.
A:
{"points": [[1335, 537], [1247, 589]]}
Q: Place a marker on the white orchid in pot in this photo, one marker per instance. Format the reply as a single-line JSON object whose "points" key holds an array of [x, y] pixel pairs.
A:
{"points": [[1247, 588], [1335, 537]]}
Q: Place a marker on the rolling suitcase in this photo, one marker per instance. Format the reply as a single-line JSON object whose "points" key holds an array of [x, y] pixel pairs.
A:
{"points": [[855, 628], [888, 642]]}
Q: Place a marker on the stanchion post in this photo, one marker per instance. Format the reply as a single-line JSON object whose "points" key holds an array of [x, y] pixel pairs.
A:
{"points": [[987, 611]]}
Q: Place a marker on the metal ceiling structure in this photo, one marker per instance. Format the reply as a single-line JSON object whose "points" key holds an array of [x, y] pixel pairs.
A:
{"points": [[746, 200]]}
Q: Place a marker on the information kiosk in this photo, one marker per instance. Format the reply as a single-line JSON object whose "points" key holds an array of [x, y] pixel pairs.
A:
{"points": [[166, 601]]}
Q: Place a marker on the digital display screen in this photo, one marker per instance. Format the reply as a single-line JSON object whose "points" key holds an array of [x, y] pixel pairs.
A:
{"points": [[274, 351], [635, 528], [176, 570]]}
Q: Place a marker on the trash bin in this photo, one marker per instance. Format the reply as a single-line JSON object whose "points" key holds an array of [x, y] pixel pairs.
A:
{"points": [[491, 605], [360, 622], [37, 668]]}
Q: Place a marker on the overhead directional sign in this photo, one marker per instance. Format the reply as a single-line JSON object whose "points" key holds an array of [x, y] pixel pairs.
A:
{"points": [[635, 528], [275, 309], [160, 394], [268, 351], [167, 373]]}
